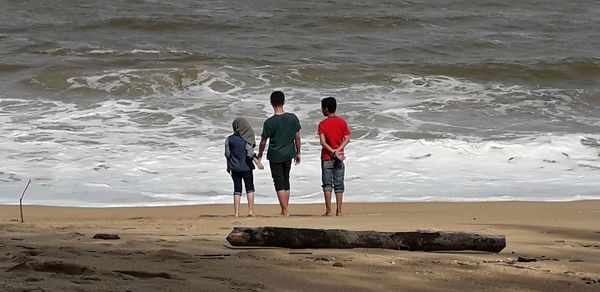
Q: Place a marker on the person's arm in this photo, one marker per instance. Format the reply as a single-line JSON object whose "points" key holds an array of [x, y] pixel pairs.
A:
{"points": [[227, 154], [345, 140], [258, 164], [249, 151], [250, 154], [261, 148], [298, 146], [227, 151], [344, 143], [324, 143]]}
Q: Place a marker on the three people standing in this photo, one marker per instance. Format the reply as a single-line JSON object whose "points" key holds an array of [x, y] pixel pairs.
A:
{"points": [[282, 131]]}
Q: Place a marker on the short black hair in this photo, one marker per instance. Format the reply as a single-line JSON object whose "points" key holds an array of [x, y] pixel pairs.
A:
{"points": [[329, 103], [277, 98]]}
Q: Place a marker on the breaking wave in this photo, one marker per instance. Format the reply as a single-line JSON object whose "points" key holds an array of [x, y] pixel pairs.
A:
{"points": [[577, 71]]}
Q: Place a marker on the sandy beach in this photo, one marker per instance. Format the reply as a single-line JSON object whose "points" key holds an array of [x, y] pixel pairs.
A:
{"points": [[182, 249]]}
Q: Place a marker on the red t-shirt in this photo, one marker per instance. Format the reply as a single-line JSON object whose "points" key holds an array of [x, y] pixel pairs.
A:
{"points": [[334, 128]]}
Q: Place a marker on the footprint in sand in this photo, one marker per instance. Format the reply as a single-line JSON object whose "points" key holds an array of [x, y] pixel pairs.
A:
{"points": [[169, 254], [32, 252], [235, 284], [58, 267], [145, 274], [263, 254]]}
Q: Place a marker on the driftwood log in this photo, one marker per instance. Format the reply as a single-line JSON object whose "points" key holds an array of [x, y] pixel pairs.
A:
{"points": [[337, 238]]}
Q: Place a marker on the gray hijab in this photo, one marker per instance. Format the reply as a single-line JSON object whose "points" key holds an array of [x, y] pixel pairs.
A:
{"points": [[243, 128]]}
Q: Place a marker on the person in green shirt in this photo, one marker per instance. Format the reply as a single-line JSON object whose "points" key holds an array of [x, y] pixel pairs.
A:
{"points": [[283, 132]]}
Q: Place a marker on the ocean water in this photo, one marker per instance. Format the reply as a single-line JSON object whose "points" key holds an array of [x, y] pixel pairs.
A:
{"points": [[128, 103]]}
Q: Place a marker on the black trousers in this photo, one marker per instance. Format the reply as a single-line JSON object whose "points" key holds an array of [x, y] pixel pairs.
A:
{"points": [[280, 171], [248, 178]]}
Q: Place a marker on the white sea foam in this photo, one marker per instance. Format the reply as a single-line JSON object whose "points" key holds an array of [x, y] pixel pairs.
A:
{"points": [[101, 51], [145, 51], [105, 51], [128, 165], [166, 147]]}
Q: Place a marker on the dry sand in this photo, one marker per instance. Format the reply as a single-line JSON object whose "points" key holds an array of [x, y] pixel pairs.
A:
{"points": [[181, 249]]}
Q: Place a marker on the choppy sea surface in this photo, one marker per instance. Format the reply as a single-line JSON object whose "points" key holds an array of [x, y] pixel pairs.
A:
{"points": [[128, 103]]}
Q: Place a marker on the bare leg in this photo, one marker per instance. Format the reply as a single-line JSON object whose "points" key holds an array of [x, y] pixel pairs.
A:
{"points": [[236, 205], [327, 203], [251, 204], [284, 199], [287, 201], [338, 202]]}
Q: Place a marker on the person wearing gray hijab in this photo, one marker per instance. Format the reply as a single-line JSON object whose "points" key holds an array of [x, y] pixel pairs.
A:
{"points": [[239, 151], [243, 128]]}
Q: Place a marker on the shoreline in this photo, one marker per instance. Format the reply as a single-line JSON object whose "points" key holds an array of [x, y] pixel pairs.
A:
{"points": [[181, 248], [309, 203], [185, 211]]}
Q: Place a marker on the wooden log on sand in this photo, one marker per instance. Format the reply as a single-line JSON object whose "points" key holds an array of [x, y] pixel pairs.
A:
{"points": [[338, 238]]}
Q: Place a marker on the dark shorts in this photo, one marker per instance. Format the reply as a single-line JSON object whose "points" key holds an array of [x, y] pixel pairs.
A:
{"points": [[332, 175], [280, 171], [248, 178]]}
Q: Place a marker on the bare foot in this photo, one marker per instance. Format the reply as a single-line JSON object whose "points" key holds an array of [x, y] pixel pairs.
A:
{"points": [[339, 214], [284, 214], [328, 213], [250, 214], [236, 215]]}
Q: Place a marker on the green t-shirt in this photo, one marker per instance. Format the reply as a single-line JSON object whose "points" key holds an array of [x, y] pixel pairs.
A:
{"points": [[281, 131]]}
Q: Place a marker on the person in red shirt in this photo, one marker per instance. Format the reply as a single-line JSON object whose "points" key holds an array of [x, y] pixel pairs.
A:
{"points": [[334, 136]]}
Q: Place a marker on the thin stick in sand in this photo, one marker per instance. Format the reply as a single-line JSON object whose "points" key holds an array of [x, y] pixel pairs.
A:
{"points": [[21, 200]]}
